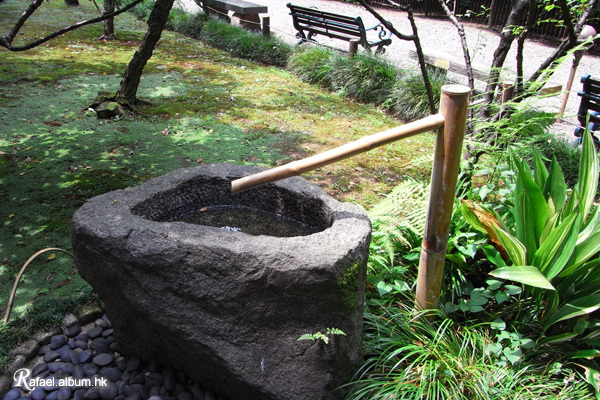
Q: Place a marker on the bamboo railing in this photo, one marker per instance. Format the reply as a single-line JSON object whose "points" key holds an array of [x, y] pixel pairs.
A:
{"points": [[450, 124]]}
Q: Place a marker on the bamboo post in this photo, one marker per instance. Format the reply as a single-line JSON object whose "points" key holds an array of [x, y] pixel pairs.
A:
{"points": [[453, 106], [348, 150]]}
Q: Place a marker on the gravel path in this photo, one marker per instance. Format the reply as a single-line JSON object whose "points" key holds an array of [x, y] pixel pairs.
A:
{"points": [[438, 35]]}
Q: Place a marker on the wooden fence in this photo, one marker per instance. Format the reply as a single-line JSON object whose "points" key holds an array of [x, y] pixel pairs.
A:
{"points": [[481, 13]]}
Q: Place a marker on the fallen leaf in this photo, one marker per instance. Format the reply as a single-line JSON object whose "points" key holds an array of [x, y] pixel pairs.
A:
{"points": [[51, 257], [11, 216]]}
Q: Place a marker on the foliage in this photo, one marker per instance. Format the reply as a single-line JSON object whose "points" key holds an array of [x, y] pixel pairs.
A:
{"points": [[237, 41], [324, 337], [408, 99], [40, 317], [550, 245], [409, 356], [368, 79], [245, 44]]}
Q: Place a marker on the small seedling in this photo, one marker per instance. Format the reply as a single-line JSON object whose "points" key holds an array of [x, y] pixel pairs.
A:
{"points": [[322, 336]]}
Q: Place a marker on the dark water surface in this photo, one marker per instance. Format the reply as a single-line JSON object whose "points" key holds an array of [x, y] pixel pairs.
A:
{"points": [[248, 220]]}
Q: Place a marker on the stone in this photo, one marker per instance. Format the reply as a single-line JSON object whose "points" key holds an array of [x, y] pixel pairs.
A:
{"points": [[110, 373], [90, 369], [226, 307], [168, 381], [92, 393], [103, 359], [38, 369], [38, 393], [78, 372], [73, 330], [58, 341], [28, 349], [109, 391], [85, 356], [95, 332], [69, 320], [12, 394], [64, 393], [74, 357], [16, 364]]}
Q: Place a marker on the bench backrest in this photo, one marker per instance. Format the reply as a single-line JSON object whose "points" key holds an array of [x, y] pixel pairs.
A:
{"points": [[590, 99], [326, 23]]}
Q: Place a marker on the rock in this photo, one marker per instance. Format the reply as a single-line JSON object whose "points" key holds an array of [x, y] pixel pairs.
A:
{"points": [[103, 359], [100, 345], [64, 393], [27, 349], [109, 392], [92, 393], [73, 330], [58, 341], [39, 368], [74, 357], [110, 373], [69, 320], [169, 379], [85, 356], [12, 394], [79, 394], [90, 369], [95, 332], [129, 246], [78, 372], [38, 393]]}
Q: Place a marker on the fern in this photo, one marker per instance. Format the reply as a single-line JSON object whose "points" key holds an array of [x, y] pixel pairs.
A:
{"points": [[322, 336], [405, 207]]}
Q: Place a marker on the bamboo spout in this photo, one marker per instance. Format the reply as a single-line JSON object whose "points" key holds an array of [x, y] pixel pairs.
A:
{"points": [[339, 153]]}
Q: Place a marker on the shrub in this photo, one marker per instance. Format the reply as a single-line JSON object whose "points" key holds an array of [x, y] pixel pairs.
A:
{"points": [[408, 99], [245, 44], [312, 64]]}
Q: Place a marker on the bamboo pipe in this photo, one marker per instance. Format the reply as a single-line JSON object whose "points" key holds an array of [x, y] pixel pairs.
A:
{"points": [[454, 105], [339, 153]]}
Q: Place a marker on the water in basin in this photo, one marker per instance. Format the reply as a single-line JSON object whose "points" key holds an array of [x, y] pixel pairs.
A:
{"points": [[248, 220]]}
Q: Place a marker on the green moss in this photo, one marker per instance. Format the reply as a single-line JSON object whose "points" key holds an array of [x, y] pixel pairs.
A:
{"points": [[349, 284]]}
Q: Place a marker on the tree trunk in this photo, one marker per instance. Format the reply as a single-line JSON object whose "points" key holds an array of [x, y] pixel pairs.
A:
{"points": [[108, 25], [72, 2], [506, 38], [493, 12], [131, 78]]}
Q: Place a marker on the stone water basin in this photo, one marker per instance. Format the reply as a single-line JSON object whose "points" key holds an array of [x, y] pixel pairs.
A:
{"points": [[226, 304]]}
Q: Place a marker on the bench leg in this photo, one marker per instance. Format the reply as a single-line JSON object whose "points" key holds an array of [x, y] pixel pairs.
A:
{"points": [[248, 21]]}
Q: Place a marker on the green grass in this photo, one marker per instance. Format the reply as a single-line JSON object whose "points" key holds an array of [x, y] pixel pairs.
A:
{"points": [[409, 357], [204, 107]]}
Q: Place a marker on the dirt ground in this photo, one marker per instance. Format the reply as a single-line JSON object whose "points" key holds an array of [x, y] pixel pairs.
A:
{"points": [[440, 36]]}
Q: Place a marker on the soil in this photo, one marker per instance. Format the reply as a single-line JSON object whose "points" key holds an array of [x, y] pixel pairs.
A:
{"points": [[440, 36]]}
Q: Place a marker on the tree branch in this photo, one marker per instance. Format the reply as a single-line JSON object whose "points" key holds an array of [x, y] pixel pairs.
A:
{"points": [[414, 38], [566, 45], [463, 40], [7, 40]]}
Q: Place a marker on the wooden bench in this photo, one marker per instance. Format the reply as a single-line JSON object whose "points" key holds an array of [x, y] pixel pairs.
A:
{"points": [[244, 13], [447, 62], [589, 106], [310, 22]]}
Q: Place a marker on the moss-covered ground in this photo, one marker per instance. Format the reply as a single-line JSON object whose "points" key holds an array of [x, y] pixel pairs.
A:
{"points": [[204, 107]]}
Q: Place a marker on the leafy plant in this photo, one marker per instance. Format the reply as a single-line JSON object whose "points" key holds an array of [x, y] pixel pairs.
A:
{"points": [[552, 247], [410, 357], [324, 337]]}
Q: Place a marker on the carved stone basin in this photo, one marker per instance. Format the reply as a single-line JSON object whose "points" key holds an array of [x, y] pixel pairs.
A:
{"points": [[222, 305]]}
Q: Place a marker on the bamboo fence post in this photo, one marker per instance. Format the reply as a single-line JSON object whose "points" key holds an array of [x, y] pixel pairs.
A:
{"points": [[454, 105]]}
